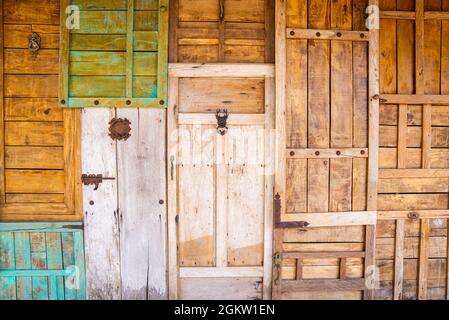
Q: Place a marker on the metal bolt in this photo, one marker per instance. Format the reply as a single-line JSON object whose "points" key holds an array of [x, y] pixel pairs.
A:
{"points": [[362, 151], [62, 101], [161, 102], [339, 34], [96, 102], [91, 202], [292, 33], [292, 153], [338, 152], [317, 153], [318, 34], [128, 102], [362, 35], [161, 201]]}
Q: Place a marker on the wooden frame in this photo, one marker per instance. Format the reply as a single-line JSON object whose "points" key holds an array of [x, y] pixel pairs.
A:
{"points": [[128, 100], [71, 208], [177, 71]]}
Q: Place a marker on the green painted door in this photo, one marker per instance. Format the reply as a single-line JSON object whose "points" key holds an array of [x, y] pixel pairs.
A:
{"points": [[42, 261]]}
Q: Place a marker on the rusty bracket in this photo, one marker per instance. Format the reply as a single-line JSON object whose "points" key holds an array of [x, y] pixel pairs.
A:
{"points": [[222, 118], [94, 179], [277, 263], [378, 97], [34, 42], [277, 216], [119, 129], [412, 215]]}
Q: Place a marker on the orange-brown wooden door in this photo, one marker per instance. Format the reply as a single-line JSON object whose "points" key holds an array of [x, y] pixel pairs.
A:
{"points": [[326, 116]]}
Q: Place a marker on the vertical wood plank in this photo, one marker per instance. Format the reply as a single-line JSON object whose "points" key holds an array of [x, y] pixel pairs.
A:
{"points": [[423, 259], [279, 182], [426, 136], [68, 259], [162, 53], [419, 46], [402, 136], [78, 253], [373, 144], [54, 262], [269, 31], [141, 192], [399, 260], [7, 262], [173, 34], [101, 216], [222, 210], [129, 47], [23, 262], [64, 43], [269, 167], [2, 101], [172, 176], [39, 262]]}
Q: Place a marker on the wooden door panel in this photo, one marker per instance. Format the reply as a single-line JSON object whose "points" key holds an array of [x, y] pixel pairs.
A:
{"points": [[219, 185], [326, 158]]}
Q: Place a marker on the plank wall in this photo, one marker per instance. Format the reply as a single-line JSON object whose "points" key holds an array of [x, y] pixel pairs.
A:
{"points": [[222, 31], [414, 150], [39, 143]]}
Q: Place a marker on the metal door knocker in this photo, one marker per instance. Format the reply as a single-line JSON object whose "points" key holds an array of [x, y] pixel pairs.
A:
{"points": [[119, 129], [222, 118], [34, 42]]}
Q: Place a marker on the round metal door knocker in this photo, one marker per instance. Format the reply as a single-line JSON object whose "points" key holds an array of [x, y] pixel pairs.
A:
{"points": [[222, 118], [119, 129], [34, 42]]}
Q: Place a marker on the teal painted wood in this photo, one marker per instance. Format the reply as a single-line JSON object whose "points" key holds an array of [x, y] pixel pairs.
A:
{"points": [[129, 69], [42, 261]]}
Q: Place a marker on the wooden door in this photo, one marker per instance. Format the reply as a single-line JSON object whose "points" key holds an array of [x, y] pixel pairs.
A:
{"points": [[326, 117], [220, 186], [42, 261], [40, 165]]}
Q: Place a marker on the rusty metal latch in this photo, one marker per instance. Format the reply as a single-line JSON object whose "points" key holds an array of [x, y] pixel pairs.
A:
{"points": [[378, 97], [277, 262], [94, 179], [34, 42], [222, 118]]}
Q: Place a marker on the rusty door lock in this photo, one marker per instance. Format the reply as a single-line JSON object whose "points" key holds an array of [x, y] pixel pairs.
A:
{"points": [[94, 179], [119, 129], [222, 118], [34, 42]]}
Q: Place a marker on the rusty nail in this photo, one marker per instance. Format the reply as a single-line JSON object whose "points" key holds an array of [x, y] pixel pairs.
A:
{"points": [[62, 101], [163, 8], [376, 97], [362, 151], [362, 35], [318, 34], [161, 201], [339, 34], [292, 153], [128, 102], [161, 102], [96, 102], [47, 111], [292, 33], [317, 153], [91, 202], [338, 152]]}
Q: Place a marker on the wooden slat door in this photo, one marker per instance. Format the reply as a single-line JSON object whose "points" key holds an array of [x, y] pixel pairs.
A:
{"points": [[220, 186], [326, 117], [42, 261]]}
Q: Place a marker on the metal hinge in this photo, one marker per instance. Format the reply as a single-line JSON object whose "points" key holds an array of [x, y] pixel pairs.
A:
{"points": [[222, 14], [94, 179], [277, 263], [277, 216]]}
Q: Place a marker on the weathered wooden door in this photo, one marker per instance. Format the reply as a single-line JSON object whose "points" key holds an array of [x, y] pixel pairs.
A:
{"points": [[326, 117], [220, 181], [42, 261]]}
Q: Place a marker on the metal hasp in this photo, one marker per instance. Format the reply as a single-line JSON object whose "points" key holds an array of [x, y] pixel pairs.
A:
{"points": [[277, 216], [34, 42], [222, 118], [119, 129], [94, 179]]}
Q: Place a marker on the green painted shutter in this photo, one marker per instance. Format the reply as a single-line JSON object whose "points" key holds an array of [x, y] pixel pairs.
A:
{"points": [[42, 261], [118, 55]]}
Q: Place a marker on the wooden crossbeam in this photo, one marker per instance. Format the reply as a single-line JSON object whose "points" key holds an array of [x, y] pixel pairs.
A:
{"points": [[414, 99], [327, 153], [412, 214], [327, 285], [320, 34]]}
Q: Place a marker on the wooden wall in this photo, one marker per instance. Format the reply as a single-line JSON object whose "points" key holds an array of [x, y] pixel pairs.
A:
{"points": [[414, 150], [39, 143]]}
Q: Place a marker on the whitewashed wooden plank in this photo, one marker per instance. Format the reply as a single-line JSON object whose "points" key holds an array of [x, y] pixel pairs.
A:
{"points": [[100, 207], [141, 190]]}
